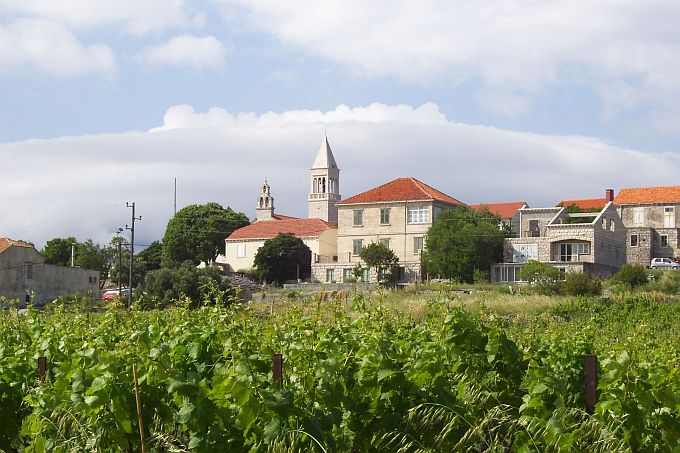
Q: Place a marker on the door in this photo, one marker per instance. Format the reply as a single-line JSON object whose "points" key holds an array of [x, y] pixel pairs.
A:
{"points": [[669, 217]]}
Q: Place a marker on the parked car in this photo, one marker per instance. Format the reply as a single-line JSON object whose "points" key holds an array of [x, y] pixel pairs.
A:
{"points": [[664, 263], [113, 293]]}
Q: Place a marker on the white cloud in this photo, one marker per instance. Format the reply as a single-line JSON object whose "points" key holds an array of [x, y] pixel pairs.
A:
{"points": [[187, 50], [79, 185], [135, 17], [50, 48], [514, 47]]}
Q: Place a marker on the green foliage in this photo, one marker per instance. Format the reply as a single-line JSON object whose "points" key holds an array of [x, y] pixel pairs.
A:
{"points": [[58, 251], [378, 256], [461, 240], [581, 284], [449, 381], [281, 258], [546, 278], [630, 276], [205, 286], [196, 233]]}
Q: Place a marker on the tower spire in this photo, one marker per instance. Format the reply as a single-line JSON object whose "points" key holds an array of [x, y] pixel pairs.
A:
{"points": [[325, 184]]}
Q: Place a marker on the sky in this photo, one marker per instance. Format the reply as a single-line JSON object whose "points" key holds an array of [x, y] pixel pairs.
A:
{"points": [[106, 102]]}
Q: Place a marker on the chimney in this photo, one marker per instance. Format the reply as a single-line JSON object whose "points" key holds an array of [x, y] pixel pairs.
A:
{"points": [[609, 195]]}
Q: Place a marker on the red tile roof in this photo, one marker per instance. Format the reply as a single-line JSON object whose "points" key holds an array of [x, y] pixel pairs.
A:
{"points": [[401, 189], [668, 194], [6, 243], [266, 229], [585, 203], [502, 210], [283, 217]]}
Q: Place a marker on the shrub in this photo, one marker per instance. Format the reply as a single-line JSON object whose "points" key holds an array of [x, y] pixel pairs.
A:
{"points": [[630, 275], [581, 284], [546, 278]]}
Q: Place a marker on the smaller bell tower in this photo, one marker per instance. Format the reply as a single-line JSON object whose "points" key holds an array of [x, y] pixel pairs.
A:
{"points": [[265, 204]]}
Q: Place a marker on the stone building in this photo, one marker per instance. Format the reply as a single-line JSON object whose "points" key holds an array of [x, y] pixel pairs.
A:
{"points": [[650, 217], [25, 276], [396, 214], [591, 242], [318, 232]]}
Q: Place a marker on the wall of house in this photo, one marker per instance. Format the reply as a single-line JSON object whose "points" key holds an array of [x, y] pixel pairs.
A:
{"points": [[542, 215], [43, 282], [653, 215], [649, 232], [401, 235], [324, 245]]}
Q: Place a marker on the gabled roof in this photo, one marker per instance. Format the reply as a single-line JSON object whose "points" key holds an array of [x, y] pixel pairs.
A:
{"points": [[585, 203], [643, 195], [266, 229], [401, 189], [324, 158], [502, 210], [6, 243]]}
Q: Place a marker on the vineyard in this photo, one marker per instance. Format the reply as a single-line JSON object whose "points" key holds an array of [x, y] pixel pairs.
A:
{"points": [[360, 373]]}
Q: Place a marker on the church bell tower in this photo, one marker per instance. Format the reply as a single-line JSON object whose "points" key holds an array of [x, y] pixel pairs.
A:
{"points": [[325, 185], [265, 204]]}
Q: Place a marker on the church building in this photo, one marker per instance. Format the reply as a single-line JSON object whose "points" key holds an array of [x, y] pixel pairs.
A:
{"points": [[319, 231]]}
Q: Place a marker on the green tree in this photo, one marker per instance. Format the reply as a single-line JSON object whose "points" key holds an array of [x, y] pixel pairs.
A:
{"points": [[197, 232], [461, 240], [378, 256], [283, 258], [95, 257], [58, 251], [201, 286]]}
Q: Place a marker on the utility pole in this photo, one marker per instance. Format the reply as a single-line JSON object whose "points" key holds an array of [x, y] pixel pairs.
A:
{"points": [[132, 249], [120, 263]]}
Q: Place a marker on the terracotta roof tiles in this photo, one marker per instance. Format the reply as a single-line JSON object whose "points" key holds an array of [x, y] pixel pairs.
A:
{"points": [[502, 210], [6, 243], [266, 229], [401, 189], [643, 195], [585, 203]]}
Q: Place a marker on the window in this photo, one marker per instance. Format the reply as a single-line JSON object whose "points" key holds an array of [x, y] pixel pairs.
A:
{"points": [[347, 275], [385, 242], [507, 274], [669, 217], [435, 212], [330, 275], [384, 216], [638, 216], [571, 251], [633, 240], [240, 250], [357, 244], [358, 217], [534, 229], [604, 223], [92, 280], [664, 240], [419, 214], [418, 244], [29, 271], [365, 274]]}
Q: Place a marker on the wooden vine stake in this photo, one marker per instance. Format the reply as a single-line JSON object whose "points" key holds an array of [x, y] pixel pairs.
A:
{"points": [[42, 368], [139, 407], [591, 382], [277, 368]]}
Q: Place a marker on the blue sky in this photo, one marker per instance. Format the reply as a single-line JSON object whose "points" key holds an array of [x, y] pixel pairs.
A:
{"points": [[576, 83]]}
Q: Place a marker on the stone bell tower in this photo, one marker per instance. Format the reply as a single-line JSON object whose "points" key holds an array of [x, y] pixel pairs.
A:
{"points": [[325, 185], [265, 204]]}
